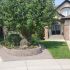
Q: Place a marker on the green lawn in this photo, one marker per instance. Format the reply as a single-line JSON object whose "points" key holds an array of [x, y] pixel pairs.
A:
{"points": [[58, 50]]}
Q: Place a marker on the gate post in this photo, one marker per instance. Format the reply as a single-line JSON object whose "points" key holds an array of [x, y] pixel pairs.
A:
{"points": [[46, 32]]}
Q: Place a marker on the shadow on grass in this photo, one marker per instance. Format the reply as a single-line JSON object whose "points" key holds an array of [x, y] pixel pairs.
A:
{"points": [[59, 50], [52, 44]]}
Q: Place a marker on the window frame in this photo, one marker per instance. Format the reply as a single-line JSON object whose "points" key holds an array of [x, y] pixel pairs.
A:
{"points": [[65, 11]]}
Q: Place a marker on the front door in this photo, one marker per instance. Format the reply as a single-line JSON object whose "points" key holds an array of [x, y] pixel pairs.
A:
{"points": [[56, 29]]}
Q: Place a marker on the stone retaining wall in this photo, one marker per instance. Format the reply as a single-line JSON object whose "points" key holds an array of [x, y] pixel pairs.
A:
{"points": [[25, 52]]}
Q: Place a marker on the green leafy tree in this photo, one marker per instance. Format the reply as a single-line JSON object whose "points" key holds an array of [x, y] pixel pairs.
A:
{"points": [[27, 16]]}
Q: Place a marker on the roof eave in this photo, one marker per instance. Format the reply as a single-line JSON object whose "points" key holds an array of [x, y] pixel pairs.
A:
{"points": [[63, 3]]}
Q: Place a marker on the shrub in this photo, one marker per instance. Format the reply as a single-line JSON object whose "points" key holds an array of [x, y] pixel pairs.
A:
{"points": [[14, 39], [35, 39], [8, 44]]}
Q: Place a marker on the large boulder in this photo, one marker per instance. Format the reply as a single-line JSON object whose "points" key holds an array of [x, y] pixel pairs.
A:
{"points": [[24, 43]]}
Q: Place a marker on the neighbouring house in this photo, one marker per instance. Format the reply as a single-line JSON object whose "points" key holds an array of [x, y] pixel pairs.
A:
{"points": [[62, 25]]}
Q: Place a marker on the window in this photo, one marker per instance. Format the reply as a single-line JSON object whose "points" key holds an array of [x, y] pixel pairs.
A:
{"points": [[66, 11]]}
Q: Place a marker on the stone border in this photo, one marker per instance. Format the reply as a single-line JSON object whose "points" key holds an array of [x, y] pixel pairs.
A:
{"points": [[26, 52]]}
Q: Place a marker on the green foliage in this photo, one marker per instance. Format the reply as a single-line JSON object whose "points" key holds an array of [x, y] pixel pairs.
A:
{"points": [[27, 16], [14, 39], [35, 39], [7, 44]]}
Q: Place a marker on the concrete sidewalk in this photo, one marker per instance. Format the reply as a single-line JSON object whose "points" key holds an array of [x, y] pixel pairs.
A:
{"points": [[49, 64]]}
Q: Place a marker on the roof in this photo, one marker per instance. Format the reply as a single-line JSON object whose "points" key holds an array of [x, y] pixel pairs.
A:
{"points": [[63, 3], [66, 18], [61, 15]]}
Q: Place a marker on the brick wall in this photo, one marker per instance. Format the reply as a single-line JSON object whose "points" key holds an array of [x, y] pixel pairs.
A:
{"points": [[67, 29], [66, 32]]}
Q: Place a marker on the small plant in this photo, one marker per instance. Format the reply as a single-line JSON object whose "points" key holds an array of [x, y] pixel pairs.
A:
{"points": [[35, 39]]}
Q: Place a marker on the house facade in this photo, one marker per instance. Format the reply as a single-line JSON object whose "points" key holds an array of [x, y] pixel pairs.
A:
{"points": [[62, 25]]}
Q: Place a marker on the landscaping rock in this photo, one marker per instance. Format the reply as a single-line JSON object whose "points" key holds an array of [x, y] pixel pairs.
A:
{"points": [[24, 43], [24, 46], [23, 52]]}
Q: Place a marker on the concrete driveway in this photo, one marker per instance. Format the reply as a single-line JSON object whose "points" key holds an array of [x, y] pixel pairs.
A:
{"points": [[41, 64]]}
